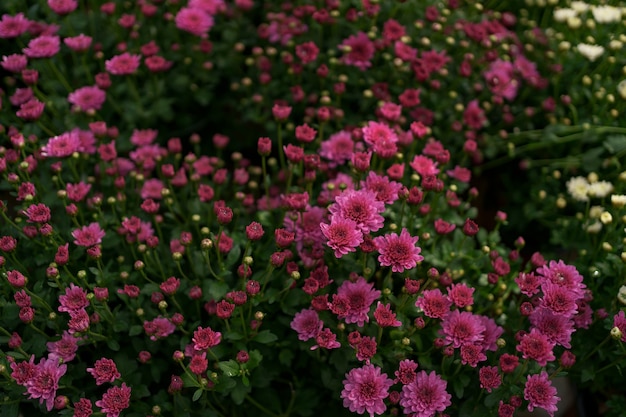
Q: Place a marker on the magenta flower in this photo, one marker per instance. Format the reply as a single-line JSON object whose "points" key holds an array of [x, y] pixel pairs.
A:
{"points": [[500, 79], [44, 46], [205, 338], [361, 207], [115, 400], [364, 390], [358, 51], [89, 235], [556, 327], [462, 328], [123, 64], [338, 148], [45, 381], [307, 323], [385, 190], [194, 20], [63, 145], [619, 321], [342, 234], [423, 165], [539, 392], [104, 370], [63, 349], [537, 346], [87, 98], [398, 252], [433, 303], [159, 328], [360, 295], [425, 395], [75, 298], [385, 317]]}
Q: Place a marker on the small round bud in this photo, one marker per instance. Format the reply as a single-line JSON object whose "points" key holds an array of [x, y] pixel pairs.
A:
{"points": [[259, 315], [406, 341], [616, 333]]}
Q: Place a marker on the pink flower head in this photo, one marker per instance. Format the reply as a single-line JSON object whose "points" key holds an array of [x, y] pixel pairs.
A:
{"points": [[23, 371], [13, 26], [159, 328], [63, 349], [343, 235], [376, 132], [398, 252], [77, 192], [537, 346], [360, 296], [501, 80], [212, 7], [45, 381], [385, 317], [557, 327], [205, 338], [307, 323], [386, 190], [619, 321], [406, 372], [338, 148], [433, 303], [62, 146], [461, 295], [87, 98], [563, 275], [423, 165], [462, 328], [115, 400], [38, 213], [79, 43], [358, 51], [425, 396], [44, 46], [14, 62], [123, 64], [558, 299], [307, 52], [474, 116], [364, 390], [194, 20], [104, 370], [539, 392], [63, 7], [361, 207], [489, 377], [89, 235], [75, 298]]}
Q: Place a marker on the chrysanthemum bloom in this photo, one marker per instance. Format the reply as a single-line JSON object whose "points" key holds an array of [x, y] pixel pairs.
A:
{"points": [[194, 20], [75, 298], [159, 328], [64, 348], [433, 303], [398, 252], [528, 283], [360, 296], [79, 43], [61, 146], [63, 7], [115, 400], [490, 378], [619, 321], [559, 299], [326, 339], [123, 64], [31, 110], [38, 213], [13, 26], [563, 275], [557, 327], [89, 235], [358, 51], [425, 396], [385, 317], [87, 98], [343, 235], [83, 408], [461, 295], [44, 46], [537, 346], [360, 206], [462, 328], [385, 190], [104, 370], [500, 77], [376, 132], [406, 372], [14, 62], [45, 381], [307, 52], [338, 148], [578, 188], [364, 390], [539, 392], [423, 165], [205, 338]]}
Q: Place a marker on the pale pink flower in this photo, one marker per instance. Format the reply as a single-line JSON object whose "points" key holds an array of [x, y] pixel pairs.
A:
{"points": [[44, 46], [360, 296], [398, 252], [79, 43], [13, 26], [87, 98], [539, 392], [425, 396], [61, 146], [45, 381], [194, 20], [123, 64], [364, 390], [89, 235], [63, 7]]}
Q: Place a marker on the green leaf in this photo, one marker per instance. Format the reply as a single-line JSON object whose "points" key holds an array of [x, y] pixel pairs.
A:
{"points": [[197, 395], [265, 337], [615, 143], [135, 330], [216, 289], [239, 393], [285, 357], [113, 345], [587, 374], [230, 368]]}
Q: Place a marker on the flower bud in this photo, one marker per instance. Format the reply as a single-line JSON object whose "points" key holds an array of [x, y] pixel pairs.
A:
{"points": [[616, 333]]}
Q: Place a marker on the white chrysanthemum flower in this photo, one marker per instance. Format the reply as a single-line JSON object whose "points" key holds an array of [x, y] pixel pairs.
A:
{"points": [[578, 188], [606, 14], [600, 189], [595, 212], [561, 15], [594, 228], [618, 200], [621, 89], [621, 294], [591, 52], [580, 6]]}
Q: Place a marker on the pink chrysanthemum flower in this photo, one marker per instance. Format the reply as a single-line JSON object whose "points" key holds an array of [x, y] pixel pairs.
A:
{"points": [[44, 46], [557, 327], [360, 206], [13, 26], [539, 392], [38, 213], [63, 349], [564, 275], [558, 299], [358, 51], [462, 328], [87, 98], [89, 235], [194, 20], [489, 377], [528, 283], [385, 190], [31, 110], [115, 400], [491, 334], [360, 296], [461, 295], [385, 317], [342, 234], [425, 396], [398, 252], [63, 7], [123, 64], [104, 370], [433, 303], [500, 77], [338, 148], [307, 323], [406, 372], [75, 298], [61, 146], [423, 165], [537, 346], [159, 328], [14, 62], [619, 321], [212, 7], [45, 381], [364, 390], [376, 132], [205, 338], [79, 43]]}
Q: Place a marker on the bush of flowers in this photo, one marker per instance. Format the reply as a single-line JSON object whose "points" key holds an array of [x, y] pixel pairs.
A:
{"points": [[239, 208]]}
